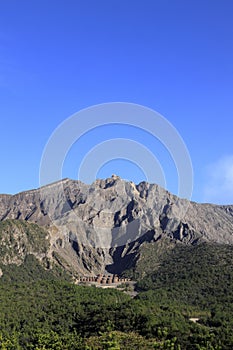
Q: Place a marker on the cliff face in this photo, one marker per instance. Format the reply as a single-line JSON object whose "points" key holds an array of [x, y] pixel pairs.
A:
{"points": [[103, 225]]}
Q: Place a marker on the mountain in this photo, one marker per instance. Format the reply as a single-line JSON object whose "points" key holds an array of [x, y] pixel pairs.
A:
{"points": [[109, 225]]}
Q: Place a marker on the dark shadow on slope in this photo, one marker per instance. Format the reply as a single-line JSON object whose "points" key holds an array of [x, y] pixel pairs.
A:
{"points": [[125, 257]]}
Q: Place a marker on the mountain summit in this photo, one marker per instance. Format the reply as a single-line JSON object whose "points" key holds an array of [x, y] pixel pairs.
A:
{"points": [[104, 226]]}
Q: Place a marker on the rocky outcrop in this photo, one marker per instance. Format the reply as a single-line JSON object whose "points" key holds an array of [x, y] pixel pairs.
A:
{"points": [[101, 225]]}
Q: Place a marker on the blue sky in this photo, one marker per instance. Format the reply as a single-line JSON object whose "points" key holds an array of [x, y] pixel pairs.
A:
{"points": [[176, 57]]}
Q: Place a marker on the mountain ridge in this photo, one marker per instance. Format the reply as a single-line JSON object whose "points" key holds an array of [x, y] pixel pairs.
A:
{"points": [[103, 226]]}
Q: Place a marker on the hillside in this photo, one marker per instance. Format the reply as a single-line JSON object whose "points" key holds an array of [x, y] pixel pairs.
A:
{"points": [[179, 252], [106, 226], [193, 282]]}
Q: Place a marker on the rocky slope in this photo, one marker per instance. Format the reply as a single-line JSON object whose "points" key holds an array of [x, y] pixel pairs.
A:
{"points": [[91, 228]]}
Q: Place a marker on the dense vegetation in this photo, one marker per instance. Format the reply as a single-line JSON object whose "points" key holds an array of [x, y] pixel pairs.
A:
{"points": [[59, 315], [32, 270], [39, 310], [18, 238]]}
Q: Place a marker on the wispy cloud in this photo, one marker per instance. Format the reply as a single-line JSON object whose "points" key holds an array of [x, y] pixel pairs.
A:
{"points": [[219, 183]]}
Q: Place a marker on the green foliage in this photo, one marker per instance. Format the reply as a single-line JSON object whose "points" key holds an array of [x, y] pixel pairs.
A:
{"points": [[31, 270], [18, 238], [168, 344], [199, 275], [40, 311]]}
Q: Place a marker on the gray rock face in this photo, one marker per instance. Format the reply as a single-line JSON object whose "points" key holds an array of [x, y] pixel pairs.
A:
{"points": [[98, 225]]}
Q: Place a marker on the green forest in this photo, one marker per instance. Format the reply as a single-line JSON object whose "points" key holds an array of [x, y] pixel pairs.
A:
{"points": [[44, 310]]}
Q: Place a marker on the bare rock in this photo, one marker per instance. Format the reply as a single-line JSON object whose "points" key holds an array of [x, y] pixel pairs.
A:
{"points": [[93, 226]]}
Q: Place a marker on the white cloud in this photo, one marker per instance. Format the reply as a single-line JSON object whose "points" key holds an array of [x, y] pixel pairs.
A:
{"points": [[219, 185]]}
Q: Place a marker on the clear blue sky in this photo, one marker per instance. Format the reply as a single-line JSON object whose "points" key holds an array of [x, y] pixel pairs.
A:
{"points": [[176, 57]]}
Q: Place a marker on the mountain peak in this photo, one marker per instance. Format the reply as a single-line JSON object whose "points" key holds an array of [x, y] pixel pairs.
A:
{"points": [[105, 223]]}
